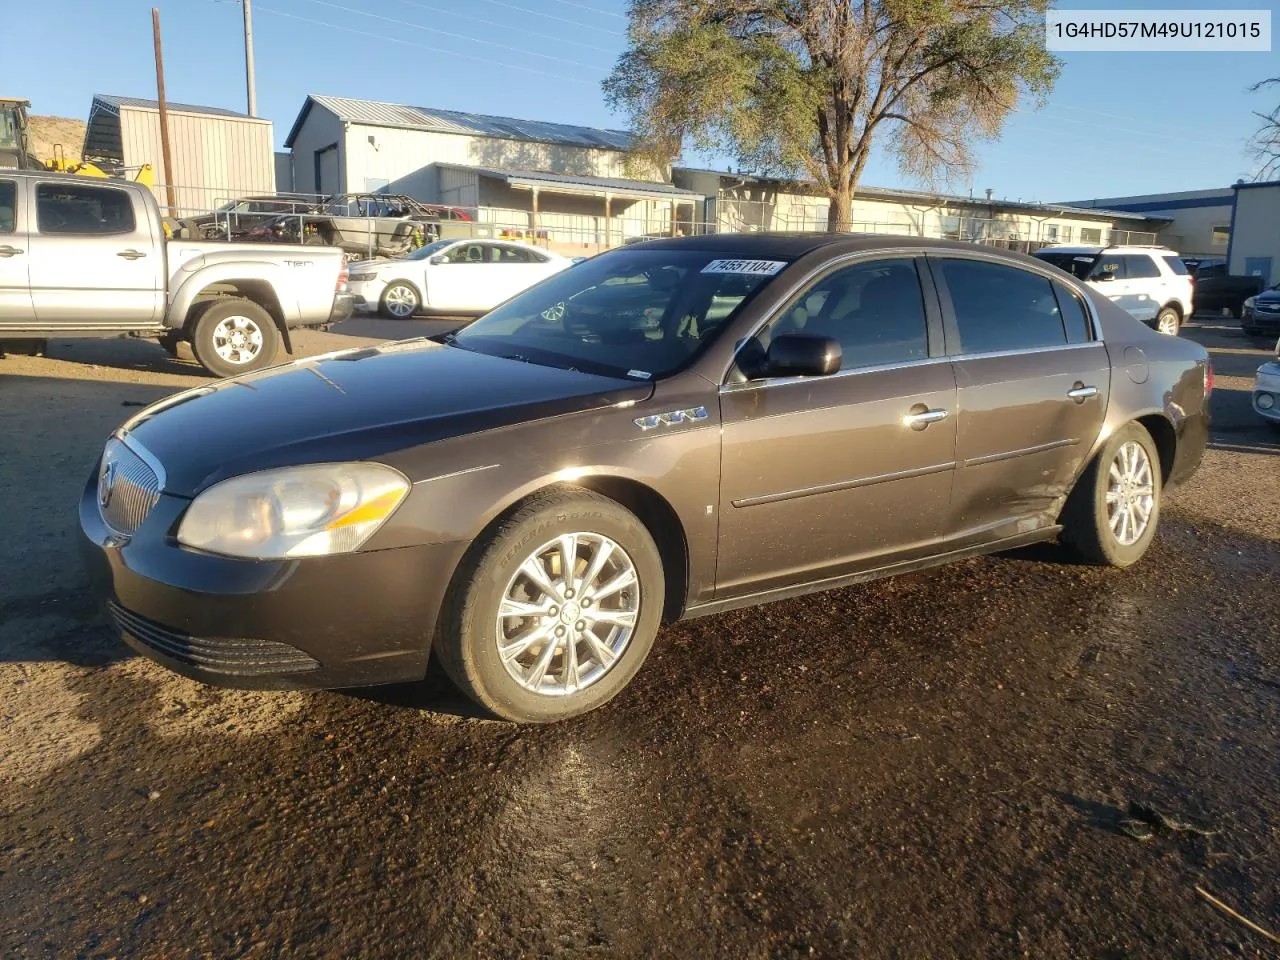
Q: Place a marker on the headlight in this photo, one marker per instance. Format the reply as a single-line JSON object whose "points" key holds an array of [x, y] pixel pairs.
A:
{"points": [[310, 511], [1250, 302]]}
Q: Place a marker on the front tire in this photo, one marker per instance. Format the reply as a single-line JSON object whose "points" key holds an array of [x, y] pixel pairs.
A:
{"points": [[400, 301], [234, 336], [1111, 515], [553, 612], [1168, 321]]}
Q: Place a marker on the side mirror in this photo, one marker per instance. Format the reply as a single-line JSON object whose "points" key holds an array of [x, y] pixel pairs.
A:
{"points": [[437, 259], [803, 355]]}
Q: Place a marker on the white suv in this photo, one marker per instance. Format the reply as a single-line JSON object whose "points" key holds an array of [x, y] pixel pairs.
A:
{"points": [[1151, 283]]}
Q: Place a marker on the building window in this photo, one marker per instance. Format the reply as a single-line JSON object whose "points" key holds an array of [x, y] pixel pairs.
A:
{"points": [[1220, 234], [1090, 234], [1051, 231]]}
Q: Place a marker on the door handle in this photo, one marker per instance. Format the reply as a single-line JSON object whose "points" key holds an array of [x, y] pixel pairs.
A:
{"points": [[7, 251], [922, 418], [1080, 393], [131, 254]]}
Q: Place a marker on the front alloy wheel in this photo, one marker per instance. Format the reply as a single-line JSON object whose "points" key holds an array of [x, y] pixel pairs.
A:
{"points": [[568, 613], [399, 301], [554, 609]]}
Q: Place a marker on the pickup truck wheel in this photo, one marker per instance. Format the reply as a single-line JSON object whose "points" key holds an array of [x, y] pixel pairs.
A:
{"points": [[235, 336], [553, 612], [400, 301], [1111, 515]]}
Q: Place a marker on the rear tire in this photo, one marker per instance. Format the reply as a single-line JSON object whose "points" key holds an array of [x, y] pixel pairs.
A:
{"points": [[234, 336], [1168, 321], [1124, 474], [491, 579]]}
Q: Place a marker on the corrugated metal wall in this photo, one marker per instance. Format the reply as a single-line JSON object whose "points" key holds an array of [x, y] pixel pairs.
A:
{"points": [[460, 188], [215, 158]]}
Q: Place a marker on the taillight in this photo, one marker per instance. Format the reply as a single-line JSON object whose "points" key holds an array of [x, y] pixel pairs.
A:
{"points": [[344, 278]]}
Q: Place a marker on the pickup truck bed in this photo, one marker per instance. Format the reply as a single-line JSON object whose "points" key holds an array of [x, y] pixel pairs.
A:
{"points": [[87, 257]]}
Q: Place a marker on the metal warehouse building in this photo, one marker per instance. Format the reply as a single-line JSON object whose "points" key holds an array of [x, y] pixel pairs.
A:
{"points": [[567, 182], [217, 154]]}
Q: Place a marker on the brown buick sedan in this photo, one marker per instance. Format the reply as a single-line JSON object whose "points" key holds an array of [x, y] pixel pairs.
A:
{"points": [[667, 430]]}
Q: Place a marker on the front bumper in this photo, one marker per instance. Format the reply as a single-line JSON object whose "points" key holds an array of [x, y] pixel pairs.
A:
{"points": [[346, 621], [367, 294], [1267, 384], [1265, 321]]}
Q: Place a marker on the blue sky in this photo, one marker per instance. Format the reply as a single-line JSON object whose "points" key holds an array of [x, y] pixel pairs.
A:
{"points": [[1116, 123]]}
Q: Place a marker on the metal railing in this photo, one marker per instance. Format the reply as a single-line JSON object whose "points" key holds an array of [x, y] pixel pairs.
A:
{"points": [[309, 218]]}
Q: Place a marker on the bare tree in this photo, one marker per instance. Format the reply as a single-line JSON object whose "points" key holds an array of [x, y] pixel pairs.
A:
{"points": [[1266, 142]]}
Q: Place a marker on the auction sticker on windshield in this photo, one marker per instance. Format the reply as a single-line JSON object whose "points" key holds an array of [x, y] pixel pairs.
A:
{"points": [[755, 268]]}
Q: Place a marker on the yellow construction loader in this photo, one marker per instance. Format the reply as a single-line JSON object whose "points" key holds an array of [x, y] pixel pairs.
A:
{"points": [[15, 150]]}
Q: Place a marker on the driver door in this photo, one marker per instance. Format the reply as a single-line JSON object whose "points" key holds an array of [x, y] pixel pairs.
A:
{"points": [[458, 281], [828, 475]]}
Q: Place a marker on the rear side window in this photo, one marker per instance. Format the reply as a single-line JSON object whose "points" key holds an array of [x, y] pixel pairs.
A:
{"points": [[1002, 308], [1140, 267], [8, 206], [1177, 266], [1075, 316], [75, 209]]}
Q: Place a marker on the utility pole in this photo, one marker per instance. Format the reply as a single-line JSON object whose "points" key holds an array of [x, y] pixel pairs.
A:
{"points": [[248, 57], [164, 116]]}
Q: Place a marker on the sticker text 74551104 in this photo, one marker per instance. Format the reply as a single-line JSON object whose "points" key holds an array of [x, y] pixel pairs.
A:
{"points": [[758, 268]]}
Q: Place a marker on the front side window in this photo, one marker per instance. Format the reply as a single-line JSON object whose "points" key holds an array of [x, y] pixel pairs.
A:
{"points": [[1140, 267], [73, 209], [1000, 308], [470, 253], [8, 206], [874, 310], [633, 313]]}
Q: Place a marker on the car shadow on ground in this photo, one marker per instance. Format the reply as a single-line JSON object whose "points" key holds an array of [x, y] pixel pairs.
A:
{"points": [[435, 693]]}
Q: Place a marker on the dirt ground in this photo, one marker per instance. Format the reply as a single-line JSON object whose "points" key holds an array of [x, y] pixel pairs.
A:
{"points": [[967, 762]]}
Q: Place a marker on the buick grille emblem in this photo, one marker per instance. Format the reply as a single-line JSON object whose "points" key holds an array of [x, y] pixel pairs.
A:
{"points": [[106, 482]]}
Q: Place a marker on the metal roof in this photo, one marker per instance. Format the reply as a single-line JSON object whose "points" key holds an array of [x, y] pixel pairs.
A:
{"points": [[569, 183], [113, 104], [921, 196], [379, 114]]}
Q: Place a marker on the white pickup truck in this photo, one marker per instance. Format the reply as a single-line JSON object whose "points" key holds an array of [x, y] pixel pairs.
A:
{"points": [[87, 257]]}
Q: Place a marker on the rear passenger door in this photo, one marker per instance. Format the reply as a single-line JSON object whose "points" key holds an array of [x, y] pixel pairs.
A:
{"points": [[15, 286], [1146, 287], [1033, 383], [94, 261]]}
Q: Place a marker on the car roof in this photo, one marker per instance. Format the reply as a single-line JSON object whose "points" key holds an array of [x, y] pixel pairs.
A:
{"points": [[1119, 248], [796, 244]]}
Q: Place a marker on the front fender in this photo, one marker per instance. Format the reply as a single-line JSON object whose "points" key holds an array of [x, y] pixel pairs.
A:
{"points": [[195, 277]]}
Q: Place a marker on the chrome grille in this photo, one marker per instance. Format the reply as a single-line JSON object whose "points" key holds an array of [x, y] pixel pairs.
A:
{"points": [[128, 487]]}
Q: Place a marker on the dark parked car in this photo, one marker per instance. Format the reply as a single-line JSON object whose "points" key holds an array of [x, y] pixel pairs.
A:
{"points": [[1260, 315], [531, 497]]}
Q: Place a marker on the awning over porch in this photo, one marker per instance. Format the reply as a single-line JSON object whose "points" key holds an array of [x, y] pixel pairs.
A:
{"points": [[584, 186]]}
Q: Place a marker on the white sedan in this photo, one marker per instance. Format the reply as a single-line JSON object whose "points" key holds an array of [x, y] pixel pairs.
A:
{"points": [[451, 276]]}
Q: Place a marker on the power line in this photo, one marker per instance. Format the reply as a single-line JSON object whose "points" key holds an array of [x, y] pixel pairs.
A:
{"points": [[509, 26], [421, 46], [552, 16], [454, 36], [583, 6]]}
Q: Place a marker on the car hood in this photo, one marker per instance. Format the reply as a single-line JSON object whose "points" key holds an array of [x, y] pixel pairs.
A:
{"points": [[1267, 296], [356, 405]]}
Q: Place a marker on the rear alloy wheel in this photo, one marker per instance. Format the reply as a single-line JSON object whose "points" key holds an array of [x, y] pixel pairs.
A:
{"points": [[1110, 518], [400, 301], [556, 610], [1168, 321], [234, 336]]}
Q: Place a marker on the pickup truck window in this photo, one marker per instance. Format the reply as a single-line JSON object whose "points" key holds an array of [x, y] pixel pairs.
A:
{"points": [[8, 202], [70, 208]]}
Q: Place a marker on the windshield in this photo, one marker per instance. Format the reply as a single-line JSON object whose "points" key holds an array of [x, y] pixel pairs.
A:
{"points": [[430, 250], [1077, 264], [626, 313]]}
